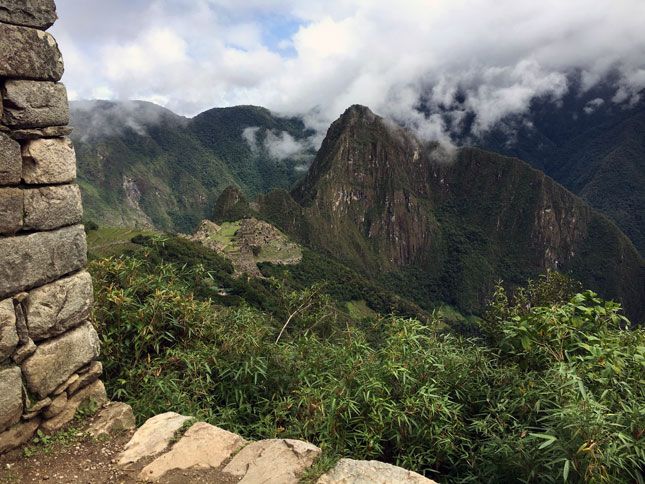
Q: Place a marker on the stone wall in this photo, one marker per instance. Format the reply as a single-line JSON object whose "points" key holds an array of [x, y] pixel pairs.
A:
{"points": [[48, 349]]}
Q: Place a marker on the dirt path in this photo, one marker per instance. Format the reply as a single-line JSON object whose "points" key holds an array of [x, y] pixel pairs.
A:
{"points": [[72, 457]]}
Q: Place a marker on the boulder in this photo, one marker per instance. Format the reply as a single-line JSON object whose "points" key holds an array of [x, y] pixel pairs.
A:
{"points": [[54, 308], [40, 14], [152, 438], [11, 210], [87, 377], [279, 461], [18, 435], [114, 418], [57, 359], [349, 471], [10, 160], [10, 397], [8, 333], [42, 257], [93, 394], [203, 446], [49, 208], [48, 160], [28, 53], [35, 104]]}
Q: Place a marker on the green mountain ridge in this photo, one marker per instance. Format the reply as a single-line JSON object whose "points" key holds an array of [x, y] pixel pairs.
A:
{"points": [[590, 144], [377, 199], [141, 165]]}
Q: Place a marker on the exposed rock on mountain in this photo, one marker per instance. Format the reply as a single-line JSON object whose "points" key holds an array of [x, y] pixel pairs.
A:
{"points": [[381, 200], [588, 142]]}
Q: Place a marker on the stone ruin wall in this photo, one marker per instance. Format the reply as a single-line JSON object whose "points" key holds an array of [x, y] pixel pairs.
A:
{"points": [[48, 348]]}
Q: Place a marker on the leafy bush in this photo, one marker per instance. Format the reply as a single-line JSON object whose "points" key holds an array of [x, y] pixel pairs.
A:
{"points": [[556, 393]]}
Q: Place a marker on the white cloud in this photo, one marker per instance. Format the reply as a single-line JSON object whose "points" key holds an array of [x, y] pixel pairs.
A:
{"points": [[250, 135], [195, 54], [282, 146]]}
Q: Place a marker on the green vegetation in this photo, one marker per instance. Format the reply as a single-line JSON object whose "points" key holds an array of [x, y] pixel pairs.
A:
{"points": [[108, 241], [552, 391], [141, 165]]}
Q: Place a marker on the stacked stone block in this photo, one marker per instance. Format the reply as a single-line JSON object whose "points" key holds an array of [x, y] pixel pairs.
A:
{"points": [[48, 348]]}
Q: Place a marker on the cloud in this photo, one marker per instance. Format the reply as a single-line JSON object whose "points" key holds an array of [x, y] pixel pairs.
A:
{"points": [[481, 57], [282, 146], [101, 119], [250, 135], [279, 145]]}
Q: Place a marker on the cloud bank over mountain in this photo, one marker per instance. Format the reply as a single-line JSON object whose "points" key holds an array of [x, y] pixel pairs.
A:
{"points": [[316, 58]]}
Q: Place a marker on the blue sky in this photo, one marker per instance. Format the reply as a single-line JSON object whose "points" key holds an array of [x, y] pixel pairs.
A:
{"points": [[316, 57]]}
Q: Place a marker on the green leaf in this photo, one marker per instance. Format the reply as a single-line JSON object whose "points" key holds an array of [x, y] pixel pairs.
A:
{"points": [[548, 439], [565, 470]]}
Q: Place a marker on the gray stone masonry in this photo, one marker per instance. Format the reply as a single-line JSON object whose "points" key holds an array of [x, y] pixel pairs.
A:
{"points": [[48, 348]]}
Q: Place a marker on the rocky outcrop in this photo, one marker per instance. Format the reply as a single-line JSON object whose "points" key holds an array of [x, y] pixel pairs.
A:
{"points": [[275, 460], [152, 438], [349, 471], [47, 346], [203, 452], [203, 446]]}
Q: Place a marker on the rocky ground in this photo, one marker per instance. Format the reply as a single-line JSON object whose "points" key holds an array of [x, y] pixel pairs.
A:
{"points": [[175, 449]]}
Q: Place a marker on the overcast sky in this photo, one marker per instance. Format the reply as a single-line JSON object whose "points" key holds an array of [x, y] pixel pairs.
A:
{"points": [[317, 57]]}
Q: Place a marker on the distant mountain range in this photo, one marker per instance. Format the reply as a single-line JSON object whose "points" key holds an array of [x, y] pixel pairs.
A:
{"points": [[142, 165], [390, 205], [589, 143], [384, 202]]}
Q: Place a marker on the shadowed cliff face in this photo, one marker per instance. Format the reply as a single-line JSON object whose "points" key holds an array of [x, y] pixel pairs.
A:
{"points": [[381, 200]]}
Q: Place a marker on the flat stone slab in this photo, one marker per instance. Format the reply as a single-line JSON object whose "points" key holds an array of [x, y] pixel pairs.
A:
{"points": [[10, 397], [152, 438], [42, 257], [203, 446], [28, 53], [349, 471], [278, 461], [57, 359], [10, 160], [11, 210], [48, 160], [54, 308], [40, 14], [8, 332], [49, 208], [35, 104]]}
